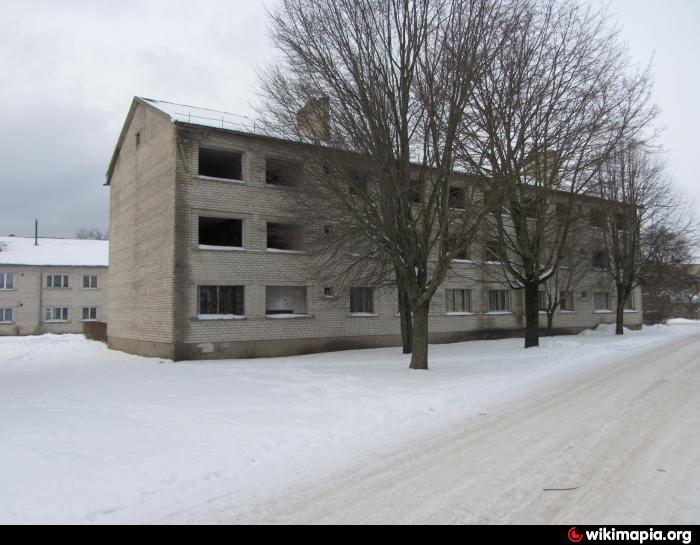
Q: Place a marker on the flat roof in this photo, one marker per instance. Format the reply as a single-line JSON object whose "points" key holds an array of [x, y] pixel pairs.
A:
{"points": [[59, 252]]}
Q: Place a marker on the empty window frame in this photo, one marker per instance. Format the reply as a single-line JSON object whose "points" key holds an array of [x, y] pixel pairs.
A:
{"points": [[56, 314], [458, 301], [220, 232], [283, 172], [566, 301], [492, 251], [283, 236], [7, 281], [221, 164], [90, 281], [600, 259], [89, 314], [601, 301], [463, 255], [6, 315], [361, 301], [221, 301], [456, 198], [597, 218], [285, 301], [57, 281], [499, 300]]}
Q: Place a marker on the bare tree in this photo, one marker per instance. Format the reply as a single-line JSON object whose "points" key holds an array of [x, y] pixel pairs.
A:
{"points": [[558, 98], [378, 89], [90, 234], [641, 220]]}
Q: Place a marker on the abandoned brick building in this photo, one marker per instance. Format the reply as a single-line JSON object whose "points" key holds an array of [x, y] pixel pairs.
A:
{"points": [[204, 263]]}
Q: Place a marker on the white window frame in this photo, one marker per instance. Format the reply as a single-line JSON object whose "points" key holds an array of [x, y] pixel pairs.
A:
{"points": [[452, 300], [89, 278], [64, 281], [50, 315], [596, 300], [504, 302], [89, 319], [4, 281], [4, 315]]}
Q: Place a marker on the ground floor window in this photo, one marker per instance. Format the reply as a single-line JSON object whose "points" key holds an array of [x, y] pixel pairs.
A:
{"points": [[6, 315], [458, 301], [285, 301], [361, 301], [543, 301], [630, 303], [601, 300], [567, 301], [89, 314], [56, 314], [221, 301], [499, 300]]}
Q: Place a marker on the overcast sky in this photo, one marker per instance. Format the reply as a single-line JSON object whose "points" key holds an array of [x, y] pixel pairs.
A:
{"points": [[69, 69]]}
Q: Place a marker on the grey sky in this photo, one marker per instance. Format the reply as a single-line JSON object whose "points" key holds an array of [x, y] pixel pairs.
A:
{"points": [[70, 69]]}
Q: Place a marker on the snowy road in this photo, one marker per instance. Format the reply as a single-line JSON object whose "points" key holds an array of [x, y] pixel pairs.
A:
{"points": [[624, 437]]}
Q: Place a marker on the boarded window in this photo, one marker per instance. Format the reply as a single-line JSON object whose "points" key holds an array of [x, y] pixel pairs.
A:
{"points": [[458, 301], [283, 172], [221, 301], [7, 281], [499, 300], [223, 164], [281, 301], [361, 301], [601, 300], [283, 236], [220, 232]]}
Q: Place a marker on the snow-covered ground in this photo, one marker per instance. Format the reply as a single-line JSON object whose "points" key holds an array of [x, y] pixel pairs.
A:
{"points": [[92, 435]]}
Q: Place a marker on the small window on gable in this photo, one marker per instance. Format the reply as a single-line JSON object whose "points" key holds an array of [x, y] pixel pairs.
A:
{"points": [[138, 139], [283, 236], [220, 232], [358, 184], [222, 164], [283, 172]]}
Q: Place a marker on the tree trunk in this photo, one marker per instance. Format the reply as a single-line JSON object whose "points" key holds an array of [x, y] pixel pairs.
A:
{"points": [[550, 323], [406, 321], [419, 358], [532, 315], [620, 319]]}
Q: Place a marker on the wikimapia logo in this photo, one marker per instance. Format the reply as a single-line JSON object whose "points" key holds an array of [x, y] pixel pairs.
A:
{"points": [[630, 536]]}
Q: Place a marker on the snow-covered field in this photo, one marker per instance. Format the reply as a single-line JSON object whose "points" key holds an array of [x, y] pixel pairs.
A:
{"points": [[92, 435]]}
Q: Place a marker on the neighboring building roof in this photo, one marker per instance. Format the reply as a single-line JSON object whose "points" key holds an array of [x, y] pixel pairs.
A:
{"points": [[59, 252]]}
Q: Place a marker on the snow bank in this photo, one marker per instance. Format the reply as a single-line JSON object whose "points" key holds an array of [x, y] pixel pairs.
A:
{"points": [[92, 435]]}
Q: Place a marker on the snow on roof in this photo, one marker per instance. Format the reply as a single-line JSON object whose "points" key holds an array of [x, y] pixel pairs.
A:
{"points": [[181, 113], [54, 252]]}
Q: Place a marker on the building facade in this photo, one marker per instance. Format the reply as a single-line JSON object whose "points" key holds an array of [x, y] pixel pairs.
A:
{"points": [[51, 286], [205, 263]]}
